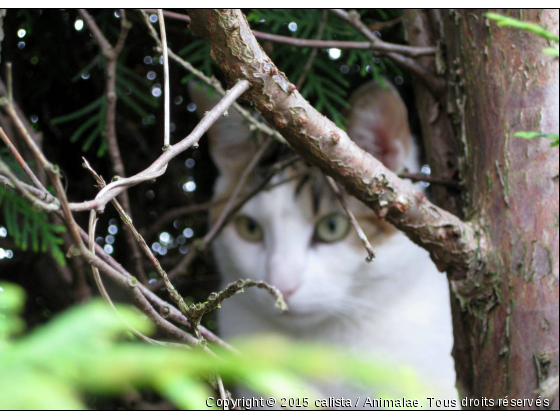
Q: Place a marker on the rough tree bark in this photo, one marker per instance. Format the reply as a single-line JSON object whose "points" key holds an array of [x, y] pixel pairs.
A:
{"points": [[506, 298], [499, 82]]}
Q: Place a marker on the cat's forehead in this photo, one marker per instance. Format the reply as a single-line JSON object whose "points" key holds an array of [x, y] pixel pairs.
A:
{"points": [[294, 195]]}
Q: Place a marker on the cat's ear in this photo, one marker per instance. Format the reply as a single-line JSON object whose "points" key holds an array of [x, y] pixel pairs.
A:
{"points": [[229, 137], [378, 123]]}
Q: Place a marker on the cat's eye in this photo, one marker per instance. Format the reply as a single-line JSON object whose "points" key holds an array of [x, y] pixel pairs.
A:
{"points": [[248, 229], [332, 228]]}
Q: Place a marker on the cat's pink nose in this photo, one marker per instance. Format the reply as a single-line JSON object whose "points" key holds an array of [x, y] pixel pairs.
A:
{"points": [[288, 290], [286, 286]]}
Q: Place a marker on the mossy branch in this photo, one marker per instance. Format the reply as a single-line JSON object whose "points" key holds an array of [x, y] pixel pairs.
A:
{"points": [[215, 300]]}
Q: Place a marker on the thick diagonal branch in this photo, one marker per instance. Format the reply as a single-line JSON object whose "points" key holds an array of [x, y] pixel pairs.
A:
{"points": [[454, 246]]}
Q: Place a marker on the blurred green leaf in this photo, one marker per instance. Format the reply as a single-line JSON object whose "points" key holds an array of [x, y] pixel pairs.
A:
{"points": [[533, 134], [82, 350], [519, 24], [553, 51]]}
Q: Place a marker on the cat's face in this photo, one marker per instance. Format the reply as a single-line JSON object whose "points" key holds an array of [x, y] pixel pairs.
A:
{"points": [[312, 255], [296, 236]]}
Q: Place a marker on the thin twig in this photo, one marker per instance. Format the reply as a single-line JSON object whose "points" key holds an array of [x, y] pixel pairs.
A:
{"points": [[166, 92], [314, 51], [315, 43], [111, 55], [399, 53], [9, 82], [107, 298], [203, 243], [212, 81], [142, 243], [22, 161], [371, 253], [177, 316], [215, 300], [158, 167], [14, 182], [117, 273]]}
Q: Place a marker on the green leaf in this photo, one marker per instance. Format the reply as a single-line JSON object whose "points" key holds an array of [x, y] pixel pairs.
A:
{"points": [[533, 134], [519, 24], [12, 298], [553, 51], [23, 389], [132, 104], [27, 225], [82, 350], [186, 393], [79, 113], [98, 60], [83, 128]]}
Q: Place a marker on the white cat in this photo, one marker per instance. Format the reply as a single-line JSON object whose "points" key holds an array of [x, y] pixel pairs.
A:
{"points": [[297, 237]]}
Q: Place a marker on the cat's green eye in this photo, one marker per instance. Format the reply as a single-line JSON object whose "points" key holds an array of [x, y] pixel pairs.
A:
{"points": [[248, 229], [332, 228]]}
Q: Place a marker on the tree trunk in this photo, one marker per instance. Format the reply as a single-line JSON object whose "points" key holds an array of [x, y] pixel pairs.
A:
{"points": [[499, 82]]}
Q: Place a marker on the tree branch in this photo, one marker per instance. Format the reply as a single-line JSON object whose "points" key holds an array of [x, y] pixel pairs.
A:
{"points": [[22, 161], [379, 47], [159, 166], [108, 265], [211, 81], [120, 276], [396, 52], [455, 247], [111, 55], [314, 52]]}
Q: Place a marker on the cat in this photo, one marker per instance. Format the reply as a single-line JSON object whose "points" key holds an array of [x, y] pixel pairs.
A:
{"points": [[297, 237]]}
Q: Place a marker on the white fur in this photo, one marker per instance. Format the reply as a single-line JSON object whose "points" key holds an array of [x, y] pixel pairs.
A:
{"points": [[396, 308]]}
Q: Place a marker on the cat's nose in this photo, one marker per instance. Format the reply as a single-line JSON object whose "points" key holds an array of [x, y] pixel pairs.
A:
{"points": [[285, 276], [288, 290], [286, 286]]}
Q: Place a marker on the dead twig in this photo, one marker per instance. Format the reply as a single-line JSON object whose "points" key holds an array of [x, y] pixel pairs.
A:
{"points": [[399, 53], [381, 47], [211, 81], [111, 55], [314, 51], [159, 166], [141, 242], [166, 92], [371, 253], [203, 243]]}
